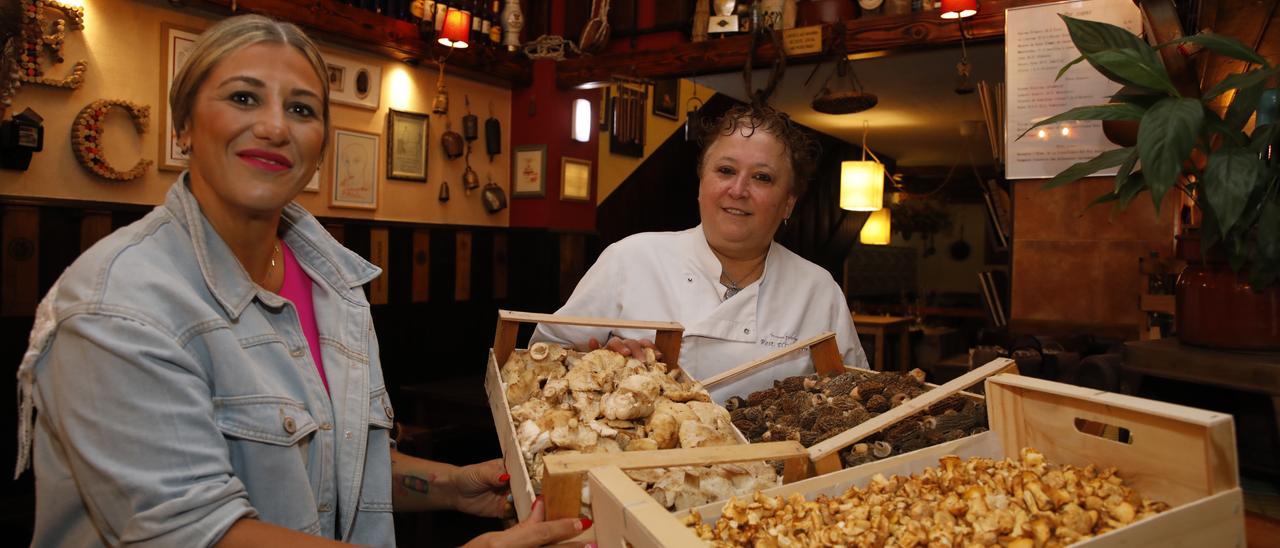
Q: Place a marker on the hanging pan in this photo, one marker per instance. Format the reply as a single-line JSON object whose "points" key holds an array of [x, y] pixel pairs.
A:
{"points": [[843, 102]]}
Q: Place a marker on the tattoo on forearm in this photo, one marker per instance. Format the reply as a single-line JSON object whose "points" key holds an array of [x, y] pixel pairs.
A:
{"points": [[415, 483]]}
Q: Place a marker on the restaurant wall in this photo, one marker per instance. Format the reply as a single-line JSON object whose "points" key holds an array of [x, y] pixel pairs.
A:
{"points": [[121, 43]]}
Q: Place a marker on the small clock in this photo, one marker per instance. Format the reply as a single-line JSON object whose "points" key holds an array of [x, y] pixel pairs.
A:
{"points": [[870, 5]]}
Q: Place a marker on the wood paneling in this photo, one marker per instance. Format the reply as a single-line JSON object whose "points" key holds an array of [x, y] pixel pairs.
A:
{"points": [[500, 266], [378, 249], [462, 266], [421, 266], [95, 226], [19, 268]]}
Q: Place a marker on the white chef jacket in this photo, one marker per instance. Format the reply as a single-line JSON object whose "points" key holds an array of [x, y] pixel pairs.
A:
{"points": [[674, 276]]}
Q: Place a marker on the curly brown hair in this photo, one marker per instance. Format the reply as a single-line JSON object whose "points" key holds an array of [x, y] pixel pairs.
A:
{"points": [[802, 149]]}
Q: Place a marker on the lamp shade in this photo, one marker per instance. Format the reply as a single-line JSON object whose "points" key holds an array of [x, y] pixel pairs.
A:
{"points": [[876, 230], [582, 120], [457, 27], [861, 185], [959, 9]]}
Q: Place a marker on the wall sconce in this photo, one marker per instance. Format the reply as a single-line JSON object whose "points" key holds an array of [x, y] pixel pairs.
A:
{"points": [[862, 182], [582, 120], [959, 10], [876, 230], [457, 28]]}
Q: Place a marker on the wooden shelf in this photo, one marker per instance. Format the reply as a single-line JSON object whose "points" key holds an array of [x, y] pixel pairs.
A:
{"points": [[719, 55], [362, 29]]}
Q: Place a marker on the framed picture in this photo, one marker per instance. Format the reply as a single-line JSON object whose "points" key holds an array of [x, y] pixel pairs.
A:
{"points": [[355, 170], [353, 83], [407, 145], [176, 43], [530, 171], [666, 97], [575, 179]]}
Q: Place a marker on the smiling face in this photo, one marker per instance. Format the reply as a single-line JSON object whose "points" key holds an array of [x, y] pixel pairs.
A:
{"points": [[256, 131], [744, 193]]}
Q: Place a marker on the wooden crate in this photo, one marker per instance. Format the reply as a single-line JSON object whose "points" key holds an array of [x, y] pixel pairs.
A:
{"points": [[559, 503], [1183, 456]]}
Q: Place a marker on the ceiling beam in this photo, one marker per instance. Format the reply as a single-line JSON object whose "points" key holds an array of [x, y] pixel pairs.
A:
{"points": [[365, 30], [714, 56]]}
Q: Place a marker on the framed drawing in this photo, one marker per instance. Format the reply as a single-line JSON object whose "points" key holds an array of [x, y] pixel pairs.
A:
{"points": [[575, 179], [176, 43], [530, 171], [353, 83], [355, 170], [666, 97], [407, 145]]}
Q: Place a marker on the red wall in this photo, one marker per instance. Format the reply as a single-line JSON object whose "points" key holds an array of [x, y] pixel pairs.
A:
{"points": [[550, 124]]}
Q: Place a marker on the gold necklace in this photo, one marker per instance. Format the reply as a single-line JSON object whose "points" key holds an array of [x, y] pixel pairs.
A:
{"points": [[732, 288], [272, 268]]}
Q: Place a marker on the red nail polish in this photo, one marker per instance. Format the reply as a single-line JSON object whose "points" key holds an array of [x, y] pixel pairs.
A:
{"points": [[504, 478], [586, 524]]}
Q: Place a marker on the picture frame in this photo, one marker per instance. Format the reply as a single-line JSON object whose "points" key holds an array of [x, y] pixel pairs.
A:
{"points": [[354, 182], [575, 179], [175, 45], [529, 171], [407, 135], [666, 99], [352, 82]]}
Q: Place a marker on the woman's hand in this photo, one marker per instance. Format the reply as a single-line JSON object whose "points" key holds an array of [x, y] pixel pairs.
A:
{"points": [[627, 347], [535, 531], [481, 489]]}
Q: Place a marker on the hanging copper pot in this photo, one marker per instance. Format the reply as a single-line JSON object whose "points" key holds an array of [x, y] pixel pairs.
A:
{"points": [[470, 122], [452, 142], [440, 105], [495, 199], [470, 180], [444, 192]]}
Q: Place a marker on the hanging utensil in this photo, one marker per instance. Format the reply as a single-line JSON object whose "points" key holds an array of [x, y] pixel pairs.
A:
{"points": [[693, 119], [470, 180], [451, 142], [494, 198], [492, 135], [595, 34], [470, 122], [440, 105], [444, 192], [842, 102]]}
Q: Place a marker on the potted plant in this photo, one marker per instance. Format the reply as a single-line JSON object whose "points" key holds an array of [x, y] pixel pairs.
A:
{"points": [[1184, 146]]}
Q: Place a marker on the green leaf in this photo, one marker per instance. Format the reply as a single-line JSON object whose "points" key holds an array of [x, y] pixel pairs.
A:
{"points": [[1264, 136], [1165, 138], [1239, 81], [1133, 186], [1094, 36], [1243, 106], [1109, 111], [1110, 158], [1229, 179], [1067, 66], [1126, 167], [1130, 67], [1213, 123], [1210, 235], [1221, 45], [1144, 100]]}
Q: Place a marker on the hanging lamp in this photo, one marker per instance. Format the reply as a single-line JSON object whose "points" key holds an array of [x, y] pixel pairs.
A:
{"points": [[876, 231], [862, 181]]}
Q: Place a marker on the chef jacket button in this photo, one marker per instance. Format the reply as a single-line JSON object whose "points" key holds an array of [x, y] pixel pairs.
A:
{"points": [[690, 280], [747, 331], [326, 426], [347, 434], [386, 408], [323, 508], [297, 352], [290, 426]]}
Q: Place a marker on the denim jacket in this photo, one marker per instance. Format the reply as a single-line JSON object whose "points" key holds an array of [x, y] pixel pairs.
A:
{"points": [[176, 396]]}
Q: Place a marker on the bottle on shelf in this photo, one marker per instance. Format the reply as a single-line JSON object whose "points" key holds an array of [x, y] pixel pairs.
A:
{"points": [[495, 27], [442, 8], [423, 14], [477, 18]]}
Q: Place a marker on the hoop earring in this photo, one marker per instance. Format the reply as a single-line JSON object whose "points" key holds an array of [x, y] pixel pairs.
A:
{"points": [[784, 221]]}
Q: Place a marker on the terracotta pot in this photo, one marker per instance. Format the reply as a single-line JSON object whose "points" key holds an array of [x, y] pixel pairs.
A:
{"points": [[1218, 308]]}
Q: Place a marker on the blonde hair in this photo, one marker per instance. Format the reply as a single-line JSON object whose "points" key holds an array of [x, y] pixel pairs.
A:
{"points": [[227, 37]]}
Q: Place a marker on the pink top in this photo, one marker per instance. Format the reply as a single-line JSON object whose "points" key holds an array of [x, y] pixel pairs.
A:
{"points": [[297, 288]]}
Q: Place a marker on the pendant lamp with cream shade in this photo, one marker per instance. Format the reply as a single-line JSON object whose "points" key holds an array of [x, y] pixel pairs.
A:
{"points": [[862, 181]]}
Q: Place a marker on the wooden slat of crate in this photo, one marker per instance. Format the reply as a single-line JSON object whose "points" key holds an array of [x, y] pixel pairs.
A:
{"points": [[1017, 408]]}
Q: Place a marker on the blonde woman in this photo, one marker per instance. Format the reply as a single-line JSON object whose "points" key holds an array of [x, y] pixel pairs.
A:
{"points": [[210, 374]]}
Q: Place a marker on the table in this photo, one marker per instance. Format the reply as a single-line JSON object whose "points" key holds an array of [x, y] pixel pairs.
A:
{"points": [[1257, 372], [881, 326]]}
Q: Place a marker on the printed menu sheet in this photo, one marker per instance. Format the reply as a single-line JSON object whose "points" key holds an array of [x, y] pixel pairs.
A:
{"points": [[1036, 47]]}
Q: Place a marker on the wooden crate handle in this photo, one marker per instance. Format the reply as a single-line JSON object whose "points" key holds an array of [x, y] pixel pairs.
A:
{"points": [[822, 348], [504, 339], [826, 454], [564, 474]]}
